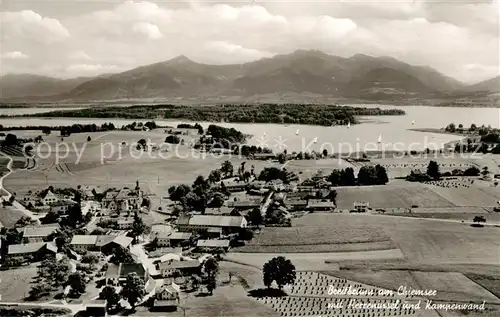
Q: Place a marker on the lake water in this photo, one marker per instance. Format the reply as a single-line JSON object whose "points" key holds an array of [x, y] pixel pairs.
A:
{"points": [[393, 130]]}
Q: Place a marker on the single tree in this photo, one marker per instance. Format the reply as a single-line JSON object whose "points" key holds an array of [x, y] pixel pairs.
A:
{"points": [[112, 298], [76, 282], [279, 270], [133, 290], [433, 170], [214, 176], [200, 181], [227, 169], [255, 217], [381, 175], [138, 227], [179, 192], [485, 172], [478, 220], [121, 255], [332, 195], [211, 269]]}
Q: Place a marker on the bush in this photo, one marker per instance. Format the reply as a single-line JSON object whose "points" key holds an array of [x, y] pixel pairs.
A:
{"points": [[173, 139]]}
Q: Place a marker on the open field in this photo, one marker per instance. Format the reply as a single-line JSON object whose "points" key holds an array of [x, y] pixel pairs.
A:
{"points": [[473, 196], [391, 196], [9, 216], [491, 218], [15, 284], [121, 165], [420, 240], [453, 286], [491, 283], [323, 247], [400, 167], [321, 261], [309, 235]]}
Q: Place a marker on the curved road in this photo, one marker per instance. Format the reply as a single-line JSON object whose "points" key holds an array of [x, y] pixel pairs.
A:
{"points": [[16, 204]]}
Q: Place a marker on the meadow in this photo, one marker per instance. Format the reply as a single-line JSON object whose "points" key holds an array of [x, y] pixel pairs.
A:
{"points": [[391, 196]]}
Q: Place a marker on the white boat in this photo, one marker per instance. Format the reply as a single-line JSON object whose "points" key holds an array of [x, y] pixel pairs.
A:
{"points": [[348, 124], [380, 139], [297, 132], [315, 140], [413, 122]]}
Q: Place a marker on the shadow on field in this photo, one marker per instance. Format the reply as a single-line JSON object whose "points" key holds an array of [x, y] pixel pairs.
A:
{"points": [[266, 292], [477, 225]]}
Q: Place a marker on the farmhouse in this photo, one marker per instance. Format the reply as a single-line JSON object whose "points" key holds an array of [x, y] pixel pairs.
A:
{"points": [[117, 274], [41, 233], [174, 239], [124, 199], [203, 222], [296, 203], [62, 205], [320, 205], [82, 243], [164, 251], [179, 268], [361, 206], [167, 297], [36, 251], [49, 198], [213, 245], [124, 224], [264, 156], [222, 211], [244, 204]]}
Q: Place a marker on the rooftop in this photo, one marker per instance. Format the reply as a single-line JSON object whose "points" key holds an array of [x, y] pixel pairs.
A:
{"points": [[124, 269], [39, 231], [25, 248], [85, 240], [318, 203], [216, 221], [180, 236], [179, 265], [213, 243]]}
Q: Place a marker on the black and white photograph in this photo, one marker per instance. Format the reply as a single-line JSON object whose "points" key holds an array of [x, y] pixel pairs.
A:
{"points": [[281, 158]]}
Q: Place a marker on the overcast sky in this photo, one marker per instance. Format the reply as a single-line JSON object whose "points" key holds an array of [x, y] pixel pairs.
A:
{"points": [[82, 38]]}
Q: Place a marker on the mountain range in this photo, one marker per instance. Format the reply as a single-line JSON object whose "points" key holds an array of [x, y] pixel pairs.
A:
{"points": [[302, 72]]}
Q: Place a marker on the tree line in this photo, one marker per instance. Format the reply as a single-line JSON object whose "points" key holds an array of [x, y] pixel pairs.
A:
{"points": [[313, 114]]}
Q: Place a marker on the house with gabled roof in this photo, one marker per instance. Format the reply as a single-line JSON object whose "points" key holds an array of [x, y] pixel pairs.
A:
{"points": [[179, 268], [49, 198], [35, 251], [82, 243], [204, 222], [123, 199], [38, 233]]}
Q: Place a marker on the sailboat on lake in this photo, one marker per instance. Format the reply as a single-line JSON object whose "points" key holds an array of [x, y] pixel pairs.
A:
{"points": [[379, 139], [315, 140], [297, 132], [349, 124]]}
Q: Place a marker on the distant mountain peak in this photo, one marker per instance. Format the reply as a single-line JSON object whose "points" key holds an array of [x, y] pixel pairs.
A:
{"points": [[180, 59]]}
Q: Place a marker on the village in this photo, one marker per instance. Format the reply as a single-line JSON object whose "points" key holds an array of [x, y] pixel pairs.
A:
{"points": [[115, 250]]}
